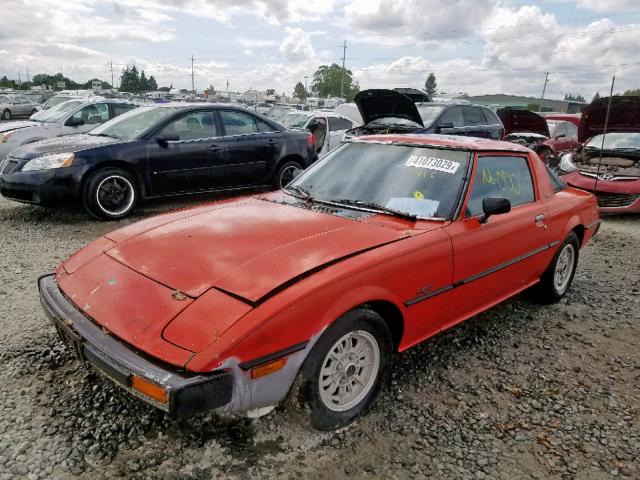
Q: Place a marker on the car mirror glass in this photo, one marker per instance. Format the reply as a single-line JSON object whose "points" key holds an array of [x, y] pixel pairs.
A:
{"points": [[494, 206], [74, 122]]}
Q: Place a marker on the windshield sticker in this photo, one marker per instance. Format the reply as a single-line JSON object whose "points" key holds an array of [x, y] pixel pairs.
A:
{"points": [[421, 208], [418, 195], [433, 163]]}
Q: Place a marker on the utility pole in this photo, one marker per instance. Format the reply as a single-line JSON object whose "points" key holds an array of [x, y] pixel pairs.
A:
{"points": [[344, 57], [111, 64], [544, 89], [227, 88], [193, 88], [28, 79]]}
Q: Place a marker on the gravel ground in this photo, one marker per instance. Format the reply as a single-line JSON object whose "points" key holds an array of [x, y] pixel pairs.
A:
{"points": [[522, 391]]}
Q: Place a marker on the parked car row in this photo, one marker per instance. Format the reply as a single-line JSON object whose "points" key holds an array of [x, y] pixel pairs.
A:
{"points": [[16, 106]]}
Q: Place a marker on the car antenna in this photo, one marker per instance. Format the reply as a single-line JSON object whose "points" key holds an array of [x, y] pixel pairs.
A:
{"points": [[604, 133]]}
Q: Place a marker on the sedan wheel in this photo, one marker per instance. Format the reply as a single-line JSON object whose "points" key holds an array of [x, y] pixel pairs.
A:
{"points": [[556, 280], [111, 193], [6, 115], [286, 174], [564, 268]]}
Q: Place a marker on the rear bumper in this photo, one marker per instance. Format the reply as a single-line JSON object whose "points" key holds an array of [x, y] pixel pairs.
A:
{"points": [[187, 393]]}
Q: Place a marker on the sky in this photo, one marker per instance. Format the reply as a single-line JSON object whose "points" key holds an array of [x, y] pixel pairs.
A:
{"points": [[472, 46]]}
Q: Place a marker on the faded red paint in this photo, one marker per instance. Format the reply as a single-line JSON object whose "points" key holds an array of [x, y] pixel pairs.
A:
{"points": [[261, 276]]}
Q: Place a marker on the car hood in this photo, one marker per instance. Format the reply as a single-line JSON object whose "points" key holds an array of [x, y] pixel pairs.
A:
{"points": [[521, 121], [382, 103], [249, 248], [624, 116], [67, 143], [16, 125]]}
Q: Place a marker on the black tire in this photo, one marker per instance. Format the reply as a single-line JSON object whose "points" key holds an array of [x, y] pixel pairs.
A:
{"points": [[110, 194], [282, 179], [306, 397], [6, 115], [549, 290]]}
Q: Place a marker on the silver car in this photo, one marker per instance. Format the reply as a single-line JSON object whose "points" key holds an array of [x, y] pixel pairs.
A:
{"points": [[61, 120], [12, 106]]}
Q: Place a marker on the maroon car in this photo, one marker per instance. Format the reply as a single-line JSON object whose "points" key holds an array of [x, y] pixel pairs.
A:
{"points": [[608, 165], [548, 138]]}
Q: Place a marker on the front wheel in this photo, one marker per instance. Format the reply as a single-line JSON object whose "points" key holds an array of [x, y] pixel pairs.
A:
{"points": [[286, 174], [111, 194], [34, 111], [556, 280], [345, 371], [6, 115]]}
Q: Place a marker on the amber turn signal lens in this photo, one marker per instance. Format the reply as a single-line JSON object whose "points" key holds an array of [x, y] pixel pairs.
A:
{"points": [[268, 368], [149, 389]]}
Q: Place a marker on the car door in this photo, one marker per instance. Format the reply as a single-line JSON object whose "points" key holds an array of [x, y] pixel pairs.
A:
{"points": [[497, 258], [22, 107], [190, 158], [475, 123], [251, 148], [337, 127]]}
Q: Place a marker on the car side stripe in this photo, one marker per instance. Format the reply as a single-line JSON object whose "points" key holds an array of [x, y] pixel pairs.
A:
{"points": [[272, 356], [477, 276]]}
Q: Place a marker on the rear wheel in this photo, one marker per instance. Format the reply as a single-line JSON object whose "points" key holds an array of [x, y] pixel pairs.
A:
{"points": [[111, 194], [6, 115], [557, 279], [345, 371], [34, 111], [286, 173]]}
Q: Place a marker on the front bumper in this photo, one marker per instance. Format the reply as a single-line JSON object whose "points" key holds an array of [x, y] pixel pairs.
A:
{"points": [[187, 393], [42, 187]]}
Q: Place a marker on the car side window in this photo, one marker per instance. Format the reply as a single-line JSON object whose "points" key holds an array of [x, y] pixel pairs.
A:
{"points": [[561, 131], [264, 127], [120, 108], [473, 116], [238, 123], [93, 114], [454, 116], [192, 126], [506, 177], [572, 131]]}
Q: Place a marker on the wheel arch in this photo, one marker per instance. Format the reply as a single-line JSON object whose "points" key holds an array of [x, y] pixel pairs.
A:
{"points": [[392, 315], [121, 164]]}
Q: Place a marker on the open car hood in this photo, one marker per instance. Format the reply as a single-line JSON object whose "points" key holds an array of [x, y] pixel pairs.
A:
{"points": [[521, 121], [623, 117], [382, 103], [248, 248]]}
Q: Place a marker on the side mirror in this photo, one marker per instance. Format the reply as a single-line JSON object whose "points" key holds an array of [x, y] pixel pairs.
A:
{"points": [[442, 126], [494, 206], [163, 140], [74, 122]]}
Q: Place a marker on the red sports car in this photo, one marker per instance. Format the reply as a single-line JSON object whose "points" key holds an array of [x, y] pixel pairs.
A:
{"points": [[608, 165], [308, 291]]}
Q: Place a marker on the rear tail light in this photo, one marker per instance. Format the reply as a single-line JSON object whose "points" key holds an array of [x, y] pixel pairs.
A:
{"points": [[310, 140]]}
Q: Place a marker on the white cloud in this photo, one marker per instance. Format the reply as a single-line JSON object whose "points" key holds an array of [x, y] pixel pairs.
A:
{"points": [[296, 46], [607, 5]]}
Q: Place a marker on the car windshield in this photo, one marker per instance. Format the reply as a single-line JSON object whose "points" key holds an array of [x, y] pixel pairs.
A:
{"points": [[418, 181], [616, 141], [57, 100], [56, 113], [295, 120], [131, 125], [428, 113]]}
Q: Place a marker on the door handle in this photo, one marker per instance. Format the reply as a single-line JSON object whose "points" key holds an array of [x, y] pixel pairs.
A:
{"points": [[272, 141], [215, 148], [539, 218]]}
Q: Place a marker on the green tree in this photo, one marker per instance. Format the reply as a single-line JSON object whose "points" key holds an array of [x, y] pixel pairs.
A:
{"points": [[300, 92], [327, 81], [270, 91], [573, 98], [130, 80], [152, 84], [143, 83], [633, 93], [430, 85], [596, 97]]}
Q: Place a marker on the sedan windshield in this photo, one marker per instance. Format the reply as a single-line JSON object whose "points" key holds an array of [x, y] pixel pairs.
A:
{"points": [[616, 141], [295, 120], [56, 113], [133, 124], [428, 113], [416, 181]]}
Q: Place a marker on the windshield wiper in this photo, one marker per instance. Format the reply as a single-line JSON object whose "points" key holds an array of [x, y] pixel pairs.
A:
{"points": [[301, 192], [376, 207], [104, 135]]}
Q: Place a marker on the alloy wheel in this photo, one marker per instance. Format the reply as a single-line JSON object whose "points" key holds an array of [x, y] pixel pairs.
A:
{"points": [[564, 268], [115, 195]]}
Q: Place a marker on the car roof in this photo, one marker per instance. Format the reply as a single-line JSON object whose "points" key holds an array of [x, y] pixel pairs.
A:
{"points": [[443, 141]]}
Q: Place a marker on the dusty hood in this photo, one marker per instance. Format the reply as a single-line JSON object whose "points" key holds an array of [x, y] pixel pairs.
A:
{"points": [[520, 121], [16, 125], [246, 247], [624, 116], [381, 103], [67, 143]]}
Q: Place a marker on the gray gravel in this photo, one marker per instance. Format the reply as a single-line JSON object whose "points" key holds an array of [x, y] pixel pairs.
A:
{"points": [[522, 391]]}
